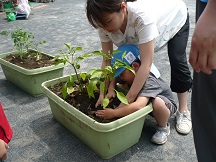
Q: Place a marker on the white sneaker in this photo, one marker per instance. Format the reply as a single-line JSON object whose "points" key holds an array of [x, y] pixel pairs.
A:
{"points": [[183, 122], [160, 137]]}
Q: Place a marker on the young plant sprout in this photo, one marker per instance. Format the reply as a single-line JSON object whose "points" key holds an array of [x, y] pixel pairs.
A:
{"points": [[90, 81], [23, 40], [103, 76], [81, 79]]}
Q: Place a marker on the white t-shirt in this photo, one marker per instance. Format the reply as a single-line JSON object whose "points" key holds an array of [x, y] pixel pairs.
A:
{"points": [[148, 20], [23, 7]]}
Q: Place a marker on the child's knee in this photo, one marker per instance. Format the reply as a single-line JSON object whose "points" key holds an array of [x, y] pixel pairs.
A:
{"points": [[157, 103]]}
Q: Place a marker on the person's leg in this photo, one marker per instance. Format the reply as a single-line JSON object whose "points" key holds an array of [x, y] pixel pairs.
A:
{"points": [[181, 81], [162, 110], [203, 112], [183, 117], [203, 109]]}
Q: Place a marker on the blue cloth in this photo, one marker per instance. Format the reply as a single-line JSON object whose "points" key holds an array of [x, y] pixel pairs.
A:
{"points": [[128, 54], [204, 1], [131, 55]]}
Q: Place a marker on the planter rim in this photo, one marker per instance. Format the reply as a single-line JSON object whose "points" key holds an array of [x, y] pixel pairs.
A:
{"points": [[101, 127], [28, 71]]}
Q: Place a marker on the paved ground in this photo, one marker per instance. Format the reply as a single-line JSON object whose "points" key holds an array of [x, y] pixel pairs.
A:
{"points": [[37, 136]]}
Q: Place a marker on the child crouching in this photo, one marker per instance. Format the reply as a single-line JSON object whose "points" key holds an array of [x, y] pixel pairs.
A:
{"points": [[155, 90]]}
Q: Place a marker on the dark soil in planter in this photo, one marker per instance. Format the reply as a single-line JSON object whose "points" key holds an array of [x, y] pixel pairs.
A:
{"points": [[83, 103], [29, 60]]}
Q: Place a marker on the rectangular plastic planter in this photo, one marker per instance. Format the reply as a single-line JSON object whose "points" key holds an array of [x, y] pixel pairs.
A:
{"points": [[29, 80], [105, 139]]}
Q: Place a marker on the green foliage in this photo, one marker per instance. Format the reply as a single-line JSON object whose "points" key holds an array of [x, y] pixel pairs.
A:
{"points": [[69, 57], [23, 40], [68, 87], [122, 97], [88, 82], [38, 52], [104, 76], [105, 102], [119, 63]]}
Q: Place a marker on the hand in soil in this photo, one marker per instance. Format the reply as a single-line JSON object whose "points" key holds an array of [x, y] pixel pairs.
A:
{"points": [[109, 95], [99, 101], [107, 113]]}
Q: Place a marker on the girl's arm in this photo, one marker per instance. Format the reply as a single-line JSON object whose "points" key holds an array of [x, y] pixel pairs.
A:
{"points": [[146, 57], [123, 111], [107, 47]]}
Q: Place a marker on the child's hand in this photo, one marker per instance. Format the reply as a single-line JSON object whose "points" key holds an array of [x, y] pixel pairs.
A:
{"points": [[107, 113], [100, 100], [111, 94], [3, 150]]}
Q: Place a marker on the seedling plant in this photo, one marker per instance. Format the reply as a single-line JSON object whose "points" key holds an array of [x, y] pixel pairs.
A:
{"points": [[23, 40], [88, 82], [104, 76], [78, 83]]}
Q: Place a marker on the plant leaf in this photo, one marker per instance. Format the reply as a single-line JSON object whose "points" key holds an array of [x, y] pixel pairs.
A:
{"points": [[129, 68], [78, 48], [64, 91], [83, 76], [77, 66], [92, 86], [80, 58], [96, 73], [90, 71], [105, 102], [109, 68], [116, 51], [71, 80], [90, 89], [70, 90], [100, 53], [122, 97], [102, 87], [111, 75], [87, 55], [67, 45], [123, 55]]}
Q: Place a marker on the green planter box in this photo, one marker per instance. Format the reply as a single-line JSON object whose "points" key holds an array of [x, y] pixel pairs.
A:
{"points": [[29, 80], [105, 139]]}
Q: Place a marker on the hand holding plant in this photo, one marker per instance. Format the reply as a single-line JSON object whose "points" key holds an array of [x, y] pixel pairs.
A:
{"points": [[103, 77], [92, 80]]}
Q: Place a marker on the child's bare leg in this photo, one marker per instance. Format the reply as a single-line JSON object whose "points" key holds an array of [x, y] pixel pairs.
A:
{"points": [[160, 111], [161, 114]]}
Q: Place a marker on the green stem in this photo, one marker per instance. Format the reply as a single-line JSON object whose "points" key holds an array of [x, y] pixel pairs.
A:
{"points": [[78, 78]]}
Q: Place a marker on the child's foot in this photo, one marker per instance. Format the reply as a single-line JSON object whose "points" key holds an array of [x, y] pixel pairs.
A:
{"points": [[183, 122], [160, 137]]}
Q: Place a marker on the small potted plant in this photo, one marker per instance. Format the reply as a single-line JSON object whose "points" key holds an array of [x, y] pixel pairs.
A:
{"points": [[106, 138], [27, 67]]}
